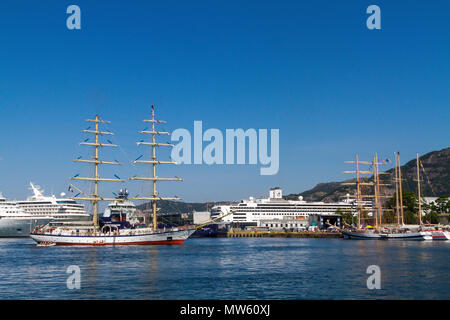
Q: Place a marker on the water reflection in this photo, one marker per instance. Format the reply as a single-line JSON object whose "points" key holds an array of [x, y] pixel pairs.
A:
{"points": [[151, 275]]}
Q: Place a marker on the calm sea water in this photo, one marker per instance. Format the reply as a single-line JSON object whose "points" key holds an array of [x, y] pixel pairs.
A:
{"points": [[242, 268]]}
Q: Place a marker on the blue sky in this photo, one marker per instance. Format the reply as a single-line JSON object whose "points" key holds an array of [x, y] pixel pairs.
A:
{"points": [[310, 69]]}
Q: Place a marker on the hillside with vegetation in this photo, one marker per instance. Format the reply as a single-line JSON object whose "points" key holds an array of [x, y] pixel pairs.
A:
{"points": [[435, 180], [174, 207]]}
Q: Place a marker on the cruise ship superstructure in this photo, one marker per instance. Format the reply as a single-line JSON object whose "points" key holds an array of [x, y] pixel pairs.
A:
{"points": [[250, 212], [15, 222], [18, 218], [62, 208]]}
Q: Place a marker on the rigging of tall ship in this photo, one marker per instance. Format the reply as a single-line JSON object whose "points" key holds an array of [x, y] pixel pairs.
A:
{"points": [[108, 230]]}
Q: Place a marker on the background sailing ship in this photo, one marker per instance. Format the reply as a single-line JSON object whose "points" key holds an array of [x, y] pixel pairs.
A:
{"points": [[379, 231]]}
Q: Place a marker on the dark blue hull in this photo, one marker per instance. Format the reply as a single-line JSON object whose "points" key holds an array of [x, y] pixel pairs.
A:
{"points": [[211, 231]]}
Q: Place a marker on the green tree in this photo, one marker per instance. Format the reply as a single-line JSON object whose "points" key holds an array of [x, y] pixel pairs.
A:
{"points": [[443, 204], [431, 217], [347, 217], [434, 209], [410, 208]]}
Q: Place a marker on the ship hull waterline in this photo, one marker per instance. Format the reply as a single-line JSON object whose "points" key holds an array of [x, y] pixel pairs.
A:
{"points": [[441, 235], [19, 228], [413, 236], [163, 238]]}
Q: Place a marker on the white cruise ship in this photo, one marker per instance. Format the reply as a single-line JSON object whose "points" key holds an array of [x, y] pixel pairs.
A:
{"points": [[15, 222], [18, 218], [62, 208], [250, 212]]}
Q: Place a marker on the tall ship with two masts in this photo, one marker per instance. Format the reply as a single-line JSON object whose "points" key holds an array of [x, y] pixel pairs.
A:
{"points": [[96, 233], [371, 227]]}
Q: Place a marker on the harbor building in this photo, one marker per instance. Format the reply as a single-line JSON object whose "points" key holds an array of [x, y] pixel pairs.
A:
{"points": [[300, 223], [286, 224], [200, 217]]}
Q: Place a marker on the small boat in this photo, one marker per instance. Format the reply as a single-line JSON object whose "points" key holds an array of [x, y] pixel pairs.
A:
{"points": [[440, 235]]}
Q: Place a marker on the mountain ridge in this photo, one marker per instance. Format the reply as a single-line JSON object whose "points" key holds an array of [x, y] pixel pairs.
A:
{"points": [[435, 181]]}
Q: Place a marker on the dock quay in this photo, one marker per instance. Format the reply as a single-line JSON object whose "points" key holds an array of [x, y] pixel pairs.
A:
{"points": [[268, 234]]}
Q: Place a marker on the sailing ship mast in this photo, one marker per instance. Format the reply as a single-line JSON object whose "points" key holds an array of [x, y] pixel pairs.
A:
{"points": [[358, 192], [376, 184], [377, 193], [358, 184], [418, 190], [154, 144], [95, 197], [399, 171], [398, 190], [396, 182]]}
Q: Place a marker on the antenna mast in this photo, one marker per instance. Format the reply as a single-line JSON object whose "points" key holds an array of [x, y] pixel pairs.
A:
{"points": [[95, 197], [154, 196]]}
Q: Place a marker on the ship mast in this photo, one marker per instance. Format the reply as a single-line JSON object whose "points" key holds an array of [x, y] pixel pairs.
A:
{"points": [[377, 192], [154, 144], [418, 190], [396, 181], [95, 197], [376, 184], [399, 170], [358, 183], [398, 190], [358, 192]]}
